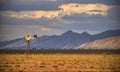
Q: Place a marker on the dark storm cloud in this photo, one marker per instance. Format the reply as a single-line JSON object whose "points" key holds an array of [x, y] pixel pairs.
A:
{"points": [[114, 12], [49, 23], [93, 23], [73, 21], [28, 5], [83, 17], [107, 2], [96, 22]]}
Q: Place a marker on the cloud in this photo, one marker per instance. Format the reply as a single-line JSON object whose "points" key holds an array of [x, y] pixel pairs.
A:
{"points": [[45, 29], [64, 10], [89, 9], [29, 5], [30, 14], [26, 1], [2, 1], [9, 32], [107, 2], [114, 12]]}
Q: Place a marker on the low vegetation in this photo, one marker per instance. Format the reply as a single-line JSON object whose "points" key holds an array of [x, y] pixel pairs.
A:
{"points": [[59, 62]]}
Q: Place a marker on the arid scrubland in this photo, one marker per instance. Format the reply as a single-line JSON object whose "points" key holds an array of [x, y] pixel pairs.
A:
{"points": [[59, 62]]}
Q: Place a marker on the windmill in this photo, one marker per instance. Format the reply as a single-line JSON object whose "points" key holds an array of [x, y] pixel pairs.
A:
{"points": [[28, 38]]}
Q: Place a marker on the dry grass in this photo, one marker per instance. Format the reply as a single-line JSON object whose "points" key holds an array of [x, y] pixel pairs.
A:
{"points": [[59, 62]]}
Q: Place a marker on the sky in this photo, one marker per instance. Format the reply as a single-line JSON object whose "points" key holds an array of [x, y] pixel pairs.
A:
{"points": [[54, 17]]}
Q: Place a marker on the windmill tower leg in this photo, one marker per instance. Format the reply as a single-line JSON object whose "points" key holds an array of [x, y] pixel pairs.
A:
{"points": [[28, 47]]}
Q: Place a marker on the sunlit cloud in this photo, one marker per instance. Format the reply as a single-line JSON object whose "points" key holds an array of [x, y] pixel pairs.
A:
{"points": [[64, 10], [45, 29], [31, 14], [89, 9]]}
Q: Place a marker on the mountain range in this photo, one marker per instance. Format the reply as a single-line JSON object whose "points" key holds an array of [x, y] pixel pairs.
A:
{"points": [[107, 43], [69, 40]]}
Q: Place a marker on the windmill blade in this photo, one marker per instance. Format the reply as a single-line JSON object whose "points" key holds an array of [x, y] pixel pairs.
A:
{"points": [[28, 36]]}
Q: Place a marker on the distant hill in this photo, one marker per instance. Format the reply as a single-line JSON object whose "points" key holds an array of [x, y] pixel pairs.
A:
{"points": [[67, 40], [107, 43]]}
